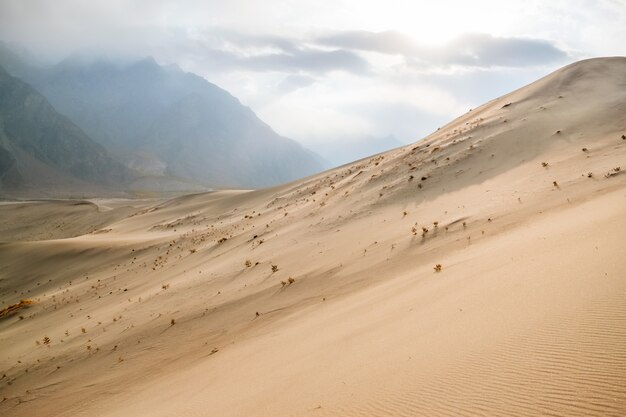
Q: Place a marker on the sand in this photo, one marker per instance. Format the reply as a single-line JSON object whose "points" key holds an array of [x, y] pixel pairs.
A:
{"points": [[321, 297]]}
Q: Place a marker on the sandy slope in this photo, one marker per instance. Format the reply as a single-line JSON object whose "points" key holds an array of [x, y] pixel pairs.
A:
{"points": [[59, 219], [526, 317]]}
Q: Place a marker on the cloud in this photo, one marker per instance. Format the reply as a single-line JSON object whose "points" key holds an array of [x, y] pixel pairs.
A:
{"points": [[241, 41], [340, 106], [294, 82], [309, 61], [485, 51], [221, 49], [473, 50], [389, 42], [224, 50]]}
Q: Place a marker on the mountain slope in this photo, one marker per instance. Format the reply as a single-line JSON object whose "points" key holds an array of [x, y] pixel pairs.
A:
{"points": [[479, 271], [200, 131], [231, 148], [40, 150]]}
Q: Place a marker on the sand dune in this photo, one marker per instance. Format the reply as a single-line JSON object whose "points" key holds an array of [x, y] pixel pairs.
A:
{"points": [[322, 297]]}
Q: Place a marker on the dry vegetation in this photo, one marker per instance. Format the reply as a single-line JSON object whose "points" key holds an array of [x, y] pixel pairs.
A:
{"points": [[14, 308]]}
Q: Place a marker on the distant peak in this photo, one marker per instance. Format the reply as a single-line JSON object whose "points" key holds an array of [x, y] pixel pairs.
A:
{"points": [[173, 68], [147, 62]]}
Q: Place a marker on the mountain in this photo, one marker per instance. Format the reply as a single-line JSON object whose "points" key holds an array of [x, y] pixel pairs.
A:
{"points": [[43, 151], [343, 151], [165, 121], [478, 271], [16, 61]]}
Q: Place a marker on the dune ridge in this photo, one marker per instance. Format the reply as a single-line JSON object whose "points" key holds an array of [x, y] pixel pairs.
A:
{"points": [[321, 297]]}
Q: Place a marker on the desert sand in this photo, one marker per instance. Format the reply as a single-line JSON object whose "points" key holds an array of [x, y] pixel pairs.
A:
{"points": [[480, 271]]}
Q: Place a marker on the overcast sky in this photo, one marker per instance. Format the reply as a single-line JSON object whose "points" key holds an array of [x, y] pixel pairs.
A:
{"points": [[335, 69]]}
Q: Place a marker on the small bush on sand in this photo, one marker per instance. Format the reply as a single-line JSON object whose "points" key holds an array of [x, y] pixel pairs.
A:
{"points": [[288, 282], [274, 268], [437, 268], [13, 308], [613, 172]]}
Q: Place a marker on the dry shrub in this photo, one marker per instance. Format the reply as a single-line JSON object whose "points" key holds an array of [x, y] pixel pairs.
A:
{"points": [[614, 172], [14, 308]]}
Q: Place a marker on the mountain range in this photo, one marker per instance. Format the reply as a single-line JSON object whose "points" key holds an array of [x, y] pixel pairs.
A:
{"points": [[42, 149], [164, 124]]}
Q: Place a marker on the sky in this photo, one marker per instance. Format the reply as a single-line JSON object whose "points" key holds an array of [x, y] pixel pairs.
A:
{"points": [[334, 70]]}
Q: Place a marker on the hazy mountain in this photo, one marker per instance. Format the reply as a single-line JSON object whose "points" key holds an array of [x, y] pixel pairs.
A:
{"points": [[343, 151], [43, 151], [14, 62], [162, 120]]}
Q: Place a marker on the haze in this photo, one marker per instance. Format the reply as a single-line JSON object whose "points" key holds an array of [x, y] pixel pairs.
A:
{"points": [[366, 69]]}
